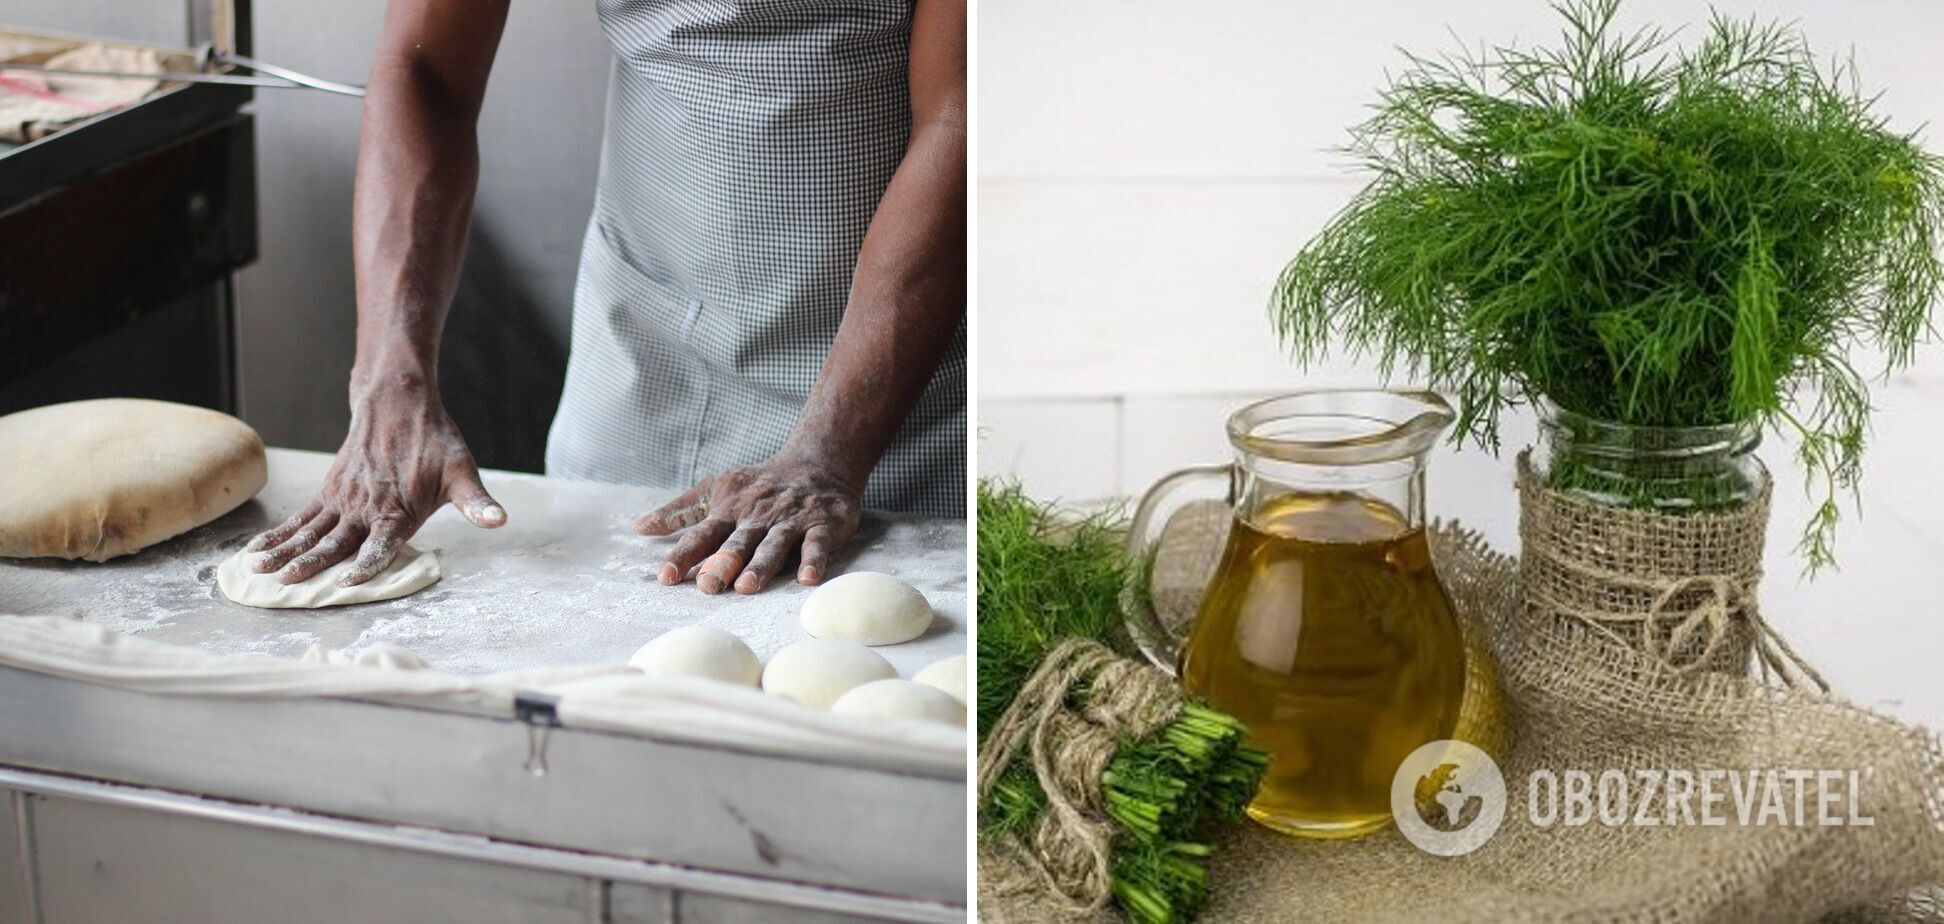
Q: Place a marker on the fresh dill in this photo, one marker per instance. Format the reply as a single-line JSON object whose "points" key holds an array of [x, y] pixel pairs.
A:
{"points": [[1655, 236]]}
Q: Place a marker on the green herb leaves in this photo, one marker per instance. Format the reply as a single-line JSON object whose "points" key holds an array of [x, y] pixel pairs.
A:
{"points": [[1647, 235]]}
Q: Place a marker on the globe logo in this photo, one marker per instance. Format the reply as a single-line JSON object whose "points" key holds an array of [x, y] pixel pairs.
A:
{"points": [[1448, 798]]}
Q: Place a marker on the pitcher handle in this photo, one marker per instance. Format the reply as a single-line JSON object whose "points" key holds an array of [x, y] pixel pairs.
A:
{"points": [[1152, 515]]}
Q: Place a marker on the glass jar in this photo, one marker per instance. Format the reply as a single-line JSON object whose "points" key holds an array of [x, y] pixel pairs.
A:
{"points": [[1666, 469]]}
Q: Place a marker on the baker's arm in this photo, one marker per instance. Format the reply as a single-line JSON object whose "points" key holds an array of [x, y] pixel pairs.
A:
{"points": [[907, 301], [418, 165]]}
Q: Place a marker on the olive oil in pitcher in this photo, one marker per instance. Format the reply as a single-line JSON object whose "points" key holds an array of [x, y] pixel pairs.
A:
{"points": [[1322, 626], [1325, 629]]}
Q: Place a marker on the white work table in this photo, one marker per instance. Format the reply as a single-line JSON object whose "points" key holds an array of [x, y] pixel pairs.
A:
{"points": [[565, 581], [452, 814]]}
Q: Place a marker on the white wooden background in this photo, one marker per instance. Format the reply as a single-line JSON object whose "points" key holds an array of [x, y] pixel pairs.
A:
{"points": [[1147, 167]]}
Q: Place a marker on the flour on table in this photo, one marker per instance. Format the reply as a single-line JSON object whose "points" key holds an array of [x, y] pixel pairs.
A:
{"points": [[565, 582], [381, 655]]}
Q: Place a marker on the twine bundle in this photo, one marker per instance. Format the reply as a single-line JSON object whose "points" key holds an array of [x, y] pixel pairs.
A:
{"points": [[1067, 858], [1099, 778]]}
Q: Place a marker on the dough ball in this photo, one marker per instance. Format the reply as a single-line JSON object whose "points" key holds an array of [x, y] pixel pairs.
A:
{"points": [[100, 479], [901, 699], [816, 671], [410, 572], [867, 607], [947, 674], [699, 651]]}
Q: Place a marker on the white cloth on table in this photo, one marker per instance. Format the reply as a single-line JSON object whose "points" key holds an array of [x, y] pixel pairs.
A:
{"points": [[605, 697]]}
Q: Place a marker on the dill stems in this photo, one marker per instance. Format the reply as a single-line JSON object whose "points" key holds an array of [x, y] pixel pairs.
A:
{"points": [[1044, 578], [1653, 236]]}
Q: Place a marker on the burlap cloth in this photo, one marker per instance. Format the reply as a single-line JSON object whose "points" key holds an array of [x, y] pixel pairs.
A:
{"points": [[1578, 699]]}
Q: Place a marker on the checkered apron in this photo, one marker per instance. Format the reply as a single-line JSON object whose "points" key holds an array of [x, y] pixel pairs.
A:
{"points": [[748, 143]]}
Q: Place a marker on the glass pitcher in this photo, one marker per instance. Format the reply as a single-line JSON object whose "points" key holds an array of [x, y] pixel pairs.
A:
{"points": [[1322, 625]]}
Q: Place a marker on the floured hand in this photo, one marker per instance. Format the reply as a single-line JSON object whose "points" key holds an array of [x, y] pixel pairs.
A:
{"points": [[402, 460], [743, 524]]}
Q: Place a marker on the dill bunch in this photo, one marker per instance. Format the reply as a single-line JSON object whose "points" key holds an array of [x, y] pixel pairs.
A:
{"points": [[1043, 578], [1646, 235]]}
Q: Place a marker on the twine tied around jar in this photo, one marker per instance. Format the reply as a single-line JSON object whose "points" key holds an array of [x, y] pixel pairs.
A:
{"points": [[1684, 582], [1071, 846], [1725, 599], [1668, 630]]}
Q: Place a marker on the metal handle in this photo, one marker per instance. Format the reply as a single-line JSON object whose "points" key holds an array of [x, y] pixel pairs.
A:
{"points": [[296, 77], [280, 78], [1161, 643], [243, 80]]}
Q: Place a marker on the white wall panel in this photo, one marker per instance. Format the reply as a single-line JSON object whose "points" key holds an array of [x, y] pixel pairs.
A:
{"points": [[1138, 287], [1164, 434], [1263, 88], [1068, 450]]}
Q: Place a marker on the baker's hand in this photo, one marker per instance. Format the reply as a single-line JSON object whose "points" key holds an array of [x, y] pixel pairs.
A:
{"points": [[402, 460], [743, 524]]}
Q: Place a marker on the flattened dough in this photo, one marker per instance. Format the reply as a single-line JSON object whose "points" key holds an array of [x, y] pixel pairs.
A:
{"points": [[100, 479], [409, 573]]}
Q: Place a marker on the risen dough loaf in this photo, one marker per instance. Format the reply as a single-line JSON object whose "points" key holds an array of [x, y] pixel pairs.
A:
{"points": [[100, 479], [816, 671], [901, 699], [699, 651], [868, 608], [411, 572], [947, 675]]}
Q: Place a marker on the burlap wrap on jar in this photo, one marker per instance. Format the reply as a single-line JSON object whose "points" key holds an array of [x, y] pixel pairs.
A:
{"points": [[1680, 588]]}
